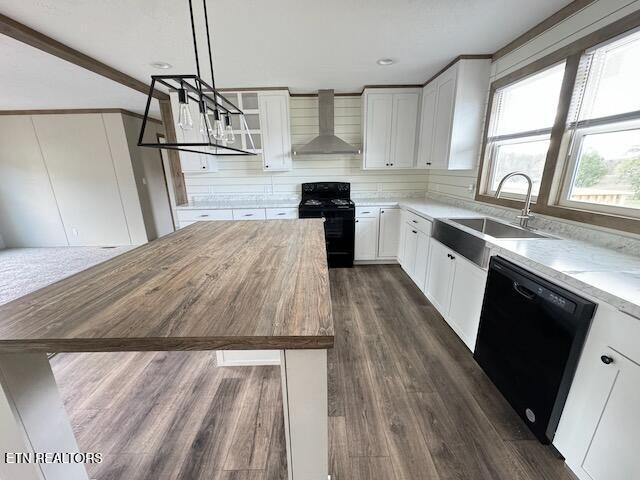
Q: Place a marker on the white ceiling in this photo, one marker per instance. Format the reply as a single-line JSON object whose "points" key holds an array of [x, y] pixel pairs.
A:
{"points": [[302, 44], [31, 79]]}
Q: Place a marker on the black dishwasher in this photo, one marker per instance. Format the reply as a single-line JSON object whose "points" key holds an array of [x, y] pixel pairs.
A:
{"points": [[529, 341]]}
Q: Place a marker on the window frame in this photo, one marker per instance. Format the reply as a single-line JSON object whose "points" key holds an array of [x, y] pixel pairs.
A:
{"points": [[555, 169]]}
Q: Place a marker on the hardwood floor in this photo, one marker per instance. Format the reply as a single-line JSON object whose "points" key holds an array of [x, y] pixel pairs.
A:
{"points": [[406, 402]]}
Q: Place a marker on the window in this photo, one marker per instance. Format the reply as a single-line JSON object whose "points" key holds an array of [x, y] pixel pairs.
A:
{"points": [[603, 164], [522, 115]]}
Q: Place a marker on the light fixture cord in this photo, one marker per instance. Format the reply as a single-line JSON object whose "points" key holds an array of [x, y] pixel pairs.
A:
{"points": [[195, 43], [213, 80]]}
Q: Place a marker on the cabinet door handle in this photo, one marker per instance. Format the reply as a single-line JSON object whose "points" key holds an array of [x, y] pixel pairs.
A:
{"points": [[414, 221], [428, 163], [391, 164], [414, 231], [357, 221], [606, 359], [266, 166], [381, 211]]}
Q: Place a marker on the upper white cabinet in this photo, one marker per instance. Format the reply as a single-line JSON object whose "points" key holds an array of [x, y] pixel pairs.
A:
{"points": [[274, 125], [266, 130], [452, 114], [390, 128]]}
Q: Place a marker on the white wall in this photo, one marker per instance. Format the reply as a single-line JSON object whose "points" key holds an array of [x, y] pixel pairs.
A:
{"points": [[67, 180], [29, 213], [591, 18], [244, 174], [150, 177]]}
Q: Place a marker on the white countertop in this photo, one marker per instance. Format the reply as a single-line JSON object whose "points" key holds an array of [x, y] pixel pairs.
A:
{"points": [[599, 272], [227, 203]]}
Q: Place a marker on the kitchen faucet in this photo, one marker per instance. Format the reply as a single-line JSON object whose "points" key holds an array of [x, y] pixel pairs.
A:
{"points": [[526, 211]]}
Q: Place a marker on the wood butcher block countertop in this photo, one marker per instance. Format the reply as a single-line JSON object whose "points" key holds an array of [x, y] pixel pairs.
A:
{"points": [[209, 286]]}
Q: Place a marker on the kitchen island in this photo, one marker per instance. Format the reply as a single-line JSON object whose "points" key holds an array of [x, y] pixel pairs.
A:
{"points": [[210, 286]]}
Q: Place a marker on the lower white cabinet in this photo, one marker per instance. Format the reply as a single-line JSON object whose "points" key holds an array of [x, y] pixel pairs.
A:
{"points": [[389, 237], [467, 294], [249, 214], [415, 250], [281, 213], [366, 242], [599, 431], [409, 246], [440, 277], [455, 286]]}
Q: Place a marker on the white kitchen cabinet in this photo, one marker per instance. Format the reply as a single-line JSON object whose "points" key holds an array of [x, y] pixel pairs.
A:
{"points": [[455, 286], [404, 129], [446, 90], [427, 125], [421, 260], [613, 453], [409, 248], [452, 115], [390, 128], [281, 213], [389, 232], [366, 241], [377, 130], [274, 125], [599, 430], [467, 294], [249, 214], [440, 277]]}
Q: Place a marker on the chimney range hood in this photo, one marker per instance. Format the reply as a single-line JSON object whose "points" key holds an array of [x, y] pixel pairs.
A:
{"points": [[326, 143]]}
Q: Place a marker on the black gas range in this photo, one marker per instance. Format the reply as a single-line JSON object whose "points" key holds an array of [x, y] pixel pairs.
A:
{"points": [[332, 201]]}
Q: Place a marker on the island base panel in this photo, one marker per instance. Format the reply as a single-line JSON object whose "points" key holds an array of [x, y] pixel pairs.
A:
{"points": [[34, 420], [305, 402]]}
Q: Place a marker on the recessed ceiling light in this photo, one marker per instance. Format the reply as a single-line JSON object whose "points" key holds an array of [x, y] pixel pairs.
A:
{"points": [[385, 61], [161, 65]]}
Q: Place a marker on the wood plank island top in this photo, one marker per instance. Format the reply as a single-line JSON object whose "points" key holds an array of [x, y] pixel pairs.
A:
{"points": [[209, 286]]}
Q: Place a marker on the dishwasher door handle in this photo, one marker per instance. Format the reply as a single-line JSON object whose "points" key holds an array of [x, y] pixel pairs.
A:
{"points": [[525, 292]]}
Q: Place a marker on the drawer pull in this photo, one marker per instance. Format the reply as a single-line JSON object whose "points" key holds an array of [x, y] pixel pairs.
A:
{"points": [[366, 212], [606, 359], [248, 215], [414, 231], [204, 215], [414, 221], [281, 213]]}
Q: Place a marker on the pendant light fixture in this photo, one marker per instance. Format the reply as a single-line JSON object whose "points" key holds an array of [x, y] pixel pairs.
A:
{"points": [[215, 136]]}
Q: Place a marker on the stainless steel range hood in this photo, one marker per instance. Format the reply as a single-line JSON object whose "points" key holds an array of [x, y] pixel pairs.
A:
{"points": [[326, 143]]}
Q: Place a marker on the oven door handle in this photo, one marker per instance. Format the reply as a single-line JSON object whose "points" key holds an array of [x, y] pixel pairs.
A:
{"points": [[525, 292]]}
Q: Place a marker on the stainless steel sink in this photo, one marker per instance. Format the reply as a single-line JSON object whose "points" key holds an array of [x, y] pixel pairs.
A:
{"points": [[496, 229], [474, 247]]}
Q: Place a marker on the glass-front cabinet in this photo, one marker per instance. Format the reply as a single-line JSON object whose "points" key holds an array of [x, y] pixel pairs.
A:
{"points": [[265, 131]]}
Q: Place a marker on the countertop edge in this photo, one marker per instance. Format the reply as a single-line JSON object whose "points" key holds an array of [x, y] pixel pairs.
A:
{"points": [[162, 344]]}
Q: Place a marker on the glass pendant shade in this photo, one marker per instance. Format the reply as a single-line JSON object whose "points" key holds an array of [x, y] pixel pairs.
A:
{"points": [[206, 129], [229, 136], [218, 128], [185, 120]]}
